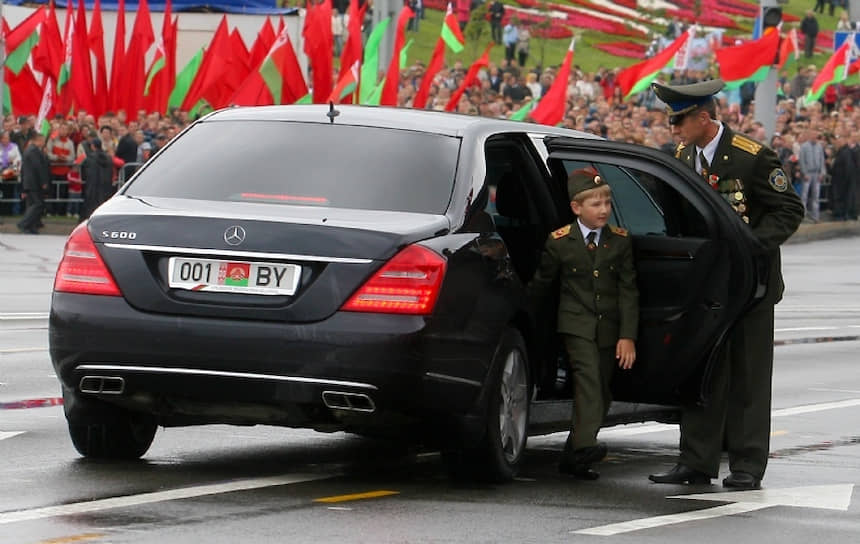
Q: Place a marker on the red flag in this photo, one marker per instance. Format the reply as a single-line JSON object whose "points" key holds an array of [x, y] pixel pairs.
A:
{"points": [[25, 91], [352, 48], [318, 47], [97, 46], [82, 68], [550, 110], [142, 38], [237, 69], [48, 53], [117, 100], [788, 49], [264, 41], [470, 79], [159, 82], [345, 85], [433, 67], [392, 78], [212, 68]]}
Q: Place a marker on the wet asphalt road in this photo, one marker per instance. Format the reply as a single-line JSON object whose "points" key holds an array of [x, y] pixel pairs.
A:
{"points": [[262, 484]]}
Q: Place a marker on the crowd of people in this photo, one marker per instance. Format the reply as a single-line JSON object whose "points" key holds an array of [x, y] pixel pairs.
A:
{"points": [[87, 157]]}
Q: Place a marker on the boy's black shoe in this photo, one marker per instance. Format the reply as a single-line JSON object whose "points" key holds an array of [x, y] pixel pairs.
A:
{"points": [[680, 474], [578, 462]]}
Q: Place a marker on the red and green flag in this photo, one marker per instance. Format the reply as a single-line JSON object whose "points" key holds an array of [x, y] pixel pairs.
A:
{"points": [[48, 53], [278, 80], [21, 40], [346, 84], [46, 108], [750, 61], [552, 106], [352, 48], [637, 78], [451, 34], [451, 37], [789, 51], [835, 70]]}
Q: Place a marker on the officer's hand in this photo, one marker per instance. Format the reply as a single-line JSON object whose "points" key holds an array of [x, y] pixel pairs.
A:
{"points": [[625, 352]]}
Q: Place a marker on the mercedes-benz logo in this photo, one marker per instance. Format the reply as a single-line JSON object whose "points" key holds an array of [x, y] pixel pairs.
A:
{"points": [[234, 235]]}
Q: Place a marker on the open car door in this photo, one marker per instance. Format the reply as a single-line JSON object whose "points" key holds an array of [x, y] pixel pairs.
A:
{"points": [[698, 266]]}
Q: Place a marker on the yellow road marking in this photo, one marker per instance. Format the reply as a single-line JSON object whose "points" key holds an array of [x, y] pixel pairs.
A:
{"points": [[357, 496], [76, 538], [778, 433]]}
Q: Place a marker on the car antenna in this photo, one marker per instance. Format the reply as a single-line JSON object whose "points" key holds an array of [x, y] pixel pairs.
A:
{"points": [[332, 113]]}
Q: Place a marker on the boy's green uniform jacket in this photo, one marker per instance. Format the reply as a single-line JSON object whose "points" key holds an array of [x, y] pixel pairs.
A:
{"points": [[598, 297]]}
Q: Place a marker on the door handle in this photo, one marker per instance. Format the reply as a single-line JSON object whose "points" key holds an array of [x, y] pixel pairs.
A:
{"points": [[713, 305]]}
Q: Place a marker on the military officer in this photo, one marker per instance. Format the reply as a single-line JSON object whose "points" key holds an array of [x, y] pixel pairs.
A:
{"points": [[749, 176], [598, 310]]}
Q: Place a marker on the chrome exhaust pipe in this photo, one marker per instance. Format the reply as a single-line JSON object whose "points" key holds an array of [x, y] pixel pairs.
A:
{"points": [[354, 402], [102, 385]]}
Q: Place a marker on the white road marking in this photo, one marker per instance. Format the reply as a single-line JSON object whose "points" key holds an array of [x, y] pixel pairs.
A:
{"points": [[158, 496], [9, 434], [833, 328], [830, 497], [826, 390], [339, 508], [21, 350], [810, 408], [637, 428], [23, 315]]}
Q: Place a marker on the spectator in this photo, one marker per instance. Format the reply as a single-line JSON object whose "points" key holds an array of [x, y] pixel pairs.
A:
{"points": [[844, 23], [846, 177], [35, 177], [61, 152], [809, 29], [510, 37], [497, 13], [523, 37], [97, 173], [533, 86], [812, 169]]}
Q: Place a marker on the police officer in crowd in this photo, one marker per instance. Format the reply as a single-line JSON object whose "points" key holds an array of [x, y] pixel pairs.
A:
{"points": [[35, 178], [749, 176]]}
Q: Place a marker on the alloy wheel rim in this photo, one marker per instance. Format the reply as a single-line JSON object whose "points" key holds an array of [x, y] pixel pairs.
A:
{"points": [[513, 409]]}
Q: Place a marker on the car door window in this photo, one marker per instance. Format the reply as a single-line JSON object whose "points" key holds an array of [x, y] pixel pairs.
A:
{"points": [[633, 206]]}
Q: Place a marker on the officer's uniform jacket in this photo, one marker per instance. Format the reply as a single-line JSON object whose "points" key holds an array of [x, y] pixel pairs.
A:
{"points": [[598, 299], [749, 176]]}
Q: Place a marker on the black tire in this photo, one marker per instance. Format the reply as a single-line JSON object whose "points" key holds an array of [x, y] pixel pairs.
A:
{"points": [[499, 453], [103, 431], [128, 439]]}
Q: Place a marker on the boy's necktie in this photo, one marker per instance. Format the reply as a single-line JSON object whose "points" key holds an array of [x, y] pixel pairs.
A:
{"points": [[590, 240]]}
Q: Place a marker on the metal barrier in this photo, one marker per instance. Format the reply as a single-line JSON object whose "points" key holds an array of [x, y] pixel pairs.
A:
{"points": [[10, 189]]}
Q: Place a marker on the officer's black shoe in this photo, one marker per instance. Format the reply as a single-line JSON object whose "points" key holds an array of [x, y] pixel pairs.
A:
{"points": [[680, 474], [742, 481]]}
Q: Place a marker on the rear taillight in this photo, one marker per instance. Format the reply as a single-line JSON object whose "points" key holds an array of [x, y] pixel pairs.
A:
{"points": [[82, 269], [407, 284]]}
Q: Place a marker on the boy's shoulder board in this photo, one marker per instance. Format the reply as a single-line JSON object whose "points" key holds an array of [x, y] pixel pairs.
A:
{"points": [[561, 233], [618, 230], [742, 142]]}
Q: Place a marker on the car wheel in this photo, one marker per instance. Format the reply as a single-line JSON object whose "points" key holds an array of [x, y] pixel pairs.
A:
{"points": [[104, 431], [499, 454], [127, 439]]}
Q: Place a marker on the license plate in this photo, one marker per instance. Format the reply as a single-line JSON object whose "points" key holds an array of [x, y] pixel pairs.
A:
{"points": [[251, 278]]}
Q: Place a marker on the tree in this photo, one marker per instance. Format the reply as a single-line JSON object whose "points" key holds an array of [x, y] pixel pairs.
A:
{"points": [[477, 27]]}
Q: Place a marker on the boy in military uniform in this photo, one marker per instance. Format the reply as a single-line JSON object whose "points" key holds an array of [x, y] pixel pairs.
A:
{"points": [[598, 310], [749, 176]]}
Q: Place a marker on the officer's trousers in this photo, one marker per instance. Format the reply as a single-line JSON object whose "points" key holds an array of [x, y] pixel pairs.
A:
{"points": [[592, 373], [739, 406]]}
